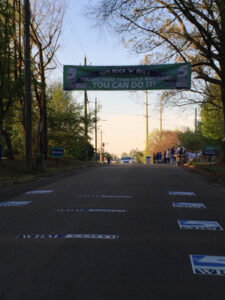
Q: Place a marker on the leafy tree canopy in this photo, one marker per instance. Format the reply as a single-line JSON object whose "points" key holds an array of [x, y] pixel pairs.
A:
{"points": [[137, 155], [212, 118], [65, 121], [174, 30], [194, 141], [160, 142]]}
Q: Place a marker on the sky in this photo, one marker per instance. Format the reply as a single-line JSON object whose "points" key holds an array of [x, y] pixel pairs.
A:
{"points": [[122, 113]]}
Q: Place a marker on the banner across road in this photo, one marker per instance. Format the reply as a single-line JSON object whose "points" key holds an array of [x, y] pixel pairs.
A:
{"points": [[141, 77]]}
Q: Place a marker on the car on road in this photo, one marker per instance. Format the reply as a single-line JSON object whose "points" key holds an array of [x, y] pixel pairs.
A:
{"points": [[126, 160]]}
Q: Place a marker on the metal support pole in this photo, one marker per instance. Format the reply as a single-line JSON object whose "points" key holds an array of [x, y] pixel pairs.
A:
{"points": [[160, 119], [27, 81], [85, 119], [101, 147], [146, 120], [96, 126], [146, 114], [196, 120]]}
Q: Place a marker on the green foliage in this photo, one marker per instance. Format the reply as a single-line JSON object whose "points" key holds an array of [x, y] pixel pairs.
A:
{"points": [[114, 157], [212, 116], [194, 141], [124, 154], [65, 123], [137, 155], [10, 81]]}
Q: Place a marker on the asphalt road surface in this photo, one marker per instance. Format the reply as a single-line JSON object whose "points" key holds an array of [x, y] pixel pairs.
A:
{"points": [[112, 233]]}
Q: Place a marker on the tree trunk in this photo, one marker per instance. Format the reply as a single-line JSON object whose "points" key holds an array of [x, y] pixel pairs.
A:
{"points": [[223, 101], [44, 137], [8, 142]]}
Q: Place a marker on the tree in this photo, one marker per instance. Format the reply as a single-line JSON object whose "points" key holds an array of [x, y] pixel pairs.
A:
{"points": [[46, 27], [212, 123], [8, 79], [46, 22], [160, 142], [124, 154], [194, 141], [65, 120], [137, 155], [174, 30]]}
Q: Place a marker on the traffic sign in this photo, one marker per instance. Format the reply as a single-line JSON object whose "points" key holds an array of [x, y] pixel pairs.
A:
{"points": [[57, 152], [210, 150]]}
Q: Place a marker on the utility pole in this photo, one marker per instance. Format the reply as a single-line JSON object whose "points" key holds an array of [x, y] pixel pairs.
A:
{"points": [[101, 147], [27, 81], [146, 120], [160, 118], [196, 121], [146, 114], [96, 126], [85, 118]]}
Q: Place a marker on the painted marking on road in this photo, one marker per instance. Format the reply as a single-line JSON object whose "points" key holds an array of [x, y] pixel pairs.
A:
{"points": [[199, 225], [69, 236], [14, 203], [90, 210], [208, 264], [188, 205], [181, 193], [104, 196], [39, 192]]}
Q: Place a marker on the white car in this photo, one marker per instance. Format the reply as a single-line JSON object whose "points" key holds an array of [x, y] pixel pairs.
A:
{"points": [[126, 160]]}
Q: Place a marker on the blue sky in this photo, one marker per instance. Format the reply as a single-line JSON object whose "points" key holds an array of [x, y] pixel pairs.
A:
{"points": [[122, 113]]}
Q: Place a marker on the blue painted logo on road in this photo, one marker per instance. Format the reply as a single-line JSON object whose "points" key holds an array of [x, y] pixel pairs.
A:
{"points": [[188, 205], [208, 264], [39, 192], [104, 196], [199, 225], [90, 210], [68, 236], [181, 193], [14, 203]]}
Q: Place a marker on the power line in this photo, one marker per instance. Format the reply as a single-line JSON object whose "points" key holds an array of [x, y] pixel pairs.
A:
{"points": [[74, 33]]}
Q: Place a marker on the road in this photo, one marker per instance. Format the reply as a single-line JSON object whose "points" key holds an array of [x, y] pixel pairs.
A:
{"points": [[112, 233]]}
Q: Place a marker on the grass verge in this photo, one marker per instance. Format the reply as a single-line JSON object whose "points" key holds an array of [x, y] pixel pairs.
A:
{"points": [[214, 171], [15, 171]]}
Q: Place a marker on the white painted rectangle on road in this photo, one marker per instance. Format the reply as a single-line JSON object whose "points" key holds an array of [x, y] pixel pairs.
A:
{"points": [[199, 225], [39, 192], [174, 193], [89, 210], [68, 236], [188, 205], [14, 203], [208, 264], [104, 196]]}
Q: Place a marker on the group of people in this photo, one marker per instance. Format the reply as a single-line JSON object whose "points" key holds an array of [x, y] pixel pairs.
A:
{"points": [[174, 155]]}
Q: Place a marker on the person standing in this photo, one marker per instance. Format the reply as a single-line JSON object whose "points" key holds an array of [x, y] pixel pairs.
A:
{"points": [[168, 156]]}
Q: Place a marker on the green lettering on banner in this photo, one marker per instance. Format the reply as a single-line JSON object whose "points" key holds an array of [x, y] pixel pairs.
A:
{"points": [[143, 77]]}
